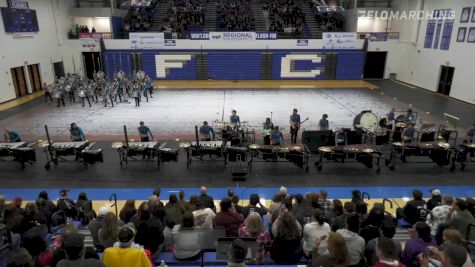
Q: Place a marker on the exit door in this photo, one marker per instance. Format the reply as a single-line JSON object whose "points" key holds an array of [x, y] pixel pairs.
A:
{"points": [[35, 79], [445, 79], [19, 82], [375, 65], [92, 62]]}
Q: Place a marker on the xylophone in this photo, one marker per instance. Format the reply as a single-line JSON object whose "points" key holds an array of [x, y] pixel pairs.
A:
{"points": [[297, 154], [212, 149], [465, 153], [363, 153], [81, 151], [129, 150], [20, 152], [438, 152]]}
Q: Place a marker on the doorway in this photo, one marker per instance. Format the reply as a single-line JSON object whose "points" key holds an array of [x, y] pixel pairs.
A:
{"points": [[35, 79], [445, 79], [92, 63], [58, 69], [19, 82], [375, 65]]}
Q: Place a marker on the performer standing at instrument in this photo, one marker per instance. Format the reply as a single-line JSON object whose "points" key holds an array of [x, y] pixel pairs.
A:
{"points": [[391, 118], [408, 133], [410, 116], [470, 137], [206, 132], [11, 136], [234, 118], [268, 127], [341, 137], [144, 132], [76, 133], [277, 138], [324, 124], [294, 126]]}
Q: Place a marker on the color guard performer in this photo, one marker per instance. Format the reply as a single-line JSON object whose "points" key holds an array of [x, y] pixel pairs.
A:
{"points": [[136, 94], [206, 132], [11, 136], [84, 94], [144, 132], [76, 133], [294, 126], [267, 130]]}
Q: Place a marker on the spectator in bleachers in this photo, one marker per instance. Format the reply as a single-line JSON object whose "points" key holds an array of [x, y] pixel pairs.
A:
{"points": [[157, 208], [316, 229], [17, 202], [471, 205], [204, 216], [355, 243], [324, 203], [45, 205], [335, 211], [187, 245], [205, 199], [230, 193], [453, 237], [59, 253], [372, 223], [96, 224], [128, 211], [285, 16], [435, 199], [149, 229], [19, 257], [440, 215], [34, 239], [255, 205], [228, 218], [388, 230], [287, 232], [420, 240], [337, 252], [126, 254], [253, 227], [237, 253], [182, 202], [235, 200], [276, 204], [387, 254], [461, 217], [13, 219], [411, 212], [174, 210], [66, 204], [109, 230], [192, 202], [2, 204], [303, 212], [340, 221], [452, 256], [235, 15], [314, 200], [86, 212], [75, 251]]}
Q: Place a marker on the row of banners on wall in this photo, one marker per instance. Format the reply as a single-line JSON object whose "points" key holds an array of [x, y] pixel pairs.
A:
{"points": [[331, 40]]}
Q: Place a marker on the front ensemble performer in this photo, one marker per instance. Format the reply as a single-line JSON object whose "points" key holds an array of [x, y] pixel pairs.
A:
{"points": [[144, 132], [294, 126], [267, 130], [206, 132], [234, 118], [76, 133]]}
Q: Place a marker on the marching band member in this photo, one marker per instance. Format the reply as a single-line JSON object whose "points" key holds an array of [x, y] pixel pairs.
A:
{"points": [[277, 138], [144, 88], [11, 135], [47, 90], [59, 94], [206, 132], [76, 133], [324, 124], [144, 132], [234, 118], [268, 127], [136, 94], [108, 92], [83, 94], [408, 133], [294, 122], [150, 85], [341, 137]]}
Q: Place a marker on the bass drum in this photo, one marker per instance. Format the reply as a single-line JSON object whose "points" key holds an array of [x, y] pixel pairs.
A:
{"points": [[121, 75], [366, 120]]}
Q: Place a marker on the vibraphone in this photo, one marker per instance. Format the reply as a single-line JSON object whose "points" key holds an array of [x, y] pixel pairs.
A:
{"points": [[464, 154], [149, 151], [438, 152], [362, 153], [81, 151], [20, 152], [296, 154], [206, 150]]}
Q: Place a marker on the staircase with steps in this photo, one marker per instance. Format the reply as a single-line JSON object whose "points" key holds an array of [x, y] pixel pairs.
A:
{"points": [[210, 17], [258, 15], [160, 13], [312, 25]]}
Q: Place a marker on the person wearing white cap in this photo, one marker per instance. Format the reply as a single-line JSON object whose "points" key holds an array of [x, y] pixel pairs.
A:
{"points": [[435, 199]]}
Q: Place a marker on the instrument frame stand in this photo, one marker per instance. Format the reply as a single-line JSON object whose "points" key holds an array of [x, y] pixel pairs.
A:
{"points": [[14, 151], [276, 156], [343, 156], [464, 154], [398, 151], [451, 131]]}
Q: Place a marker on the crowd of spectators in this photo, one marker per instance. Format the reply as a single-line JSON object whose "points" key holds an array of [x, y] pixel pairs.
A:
{"points": [[183, 14], [235, 15], [327, 233], [285, 16], [139, 19]]}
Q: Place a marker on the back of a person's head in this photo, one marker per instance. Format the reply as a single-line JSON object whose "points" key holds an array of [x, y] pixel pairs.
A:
{"points": [[278, 197], [353, 223], [323, 194], [235, 199], [157, 191], [448, 200], [254, 223], [181, 195], [74, 246], [461, 204], [143, 211], [287, 227], [313, 199], [453, 236], [254, 199], [230, 192], [43, 194], [58, 218], [423, 231], [349, 207], [299, 198], [337, 249], [19, 257], [417, 194], [203, 190], [388, 229], [386, 249], [337, 206], [82, 196], [318, 215], [237, 251], [454, 256], [356, 194], [361, 208], [173, 198], [188, 220], [225, 204]]}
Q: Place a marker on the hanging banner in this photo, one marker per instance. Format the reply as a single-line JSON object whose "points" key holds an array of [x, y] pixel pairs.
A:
{"points": [[146, 40], [378, 36], [234, 36], [339, 40]]}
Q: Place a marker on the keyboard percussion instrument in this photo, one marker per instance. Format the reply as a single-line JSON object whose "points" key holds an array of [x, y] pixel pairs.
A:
{"points": [[21, 152], [362, 153]]}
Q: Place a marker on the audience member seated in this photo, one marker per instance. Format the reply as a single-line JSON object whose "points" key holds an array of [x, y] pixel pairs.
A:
{"points": [[85, 210], [182, 14], [411, 212], [45, 206], [235, 15], [286, 16], [149, 229], [355, 243], [461, 217], [58, 246], [340, 221], [205, 199], [451, 237], [66, 204], [128, 211], [253, 227], [237, 253], [187, 242], [420, 240], [435, 199], [156, 207], [324, 203], [204, 216], [440, 215], [228, 218], [452, 256], [372, 223], [335, 211], [387, 254], [138, 19], [109, 230], [174, 210], [316, 229], [388, 230], [287, 234], [19, 257], [235, 200], [337, 252], [95, 225], [126, 252], [255, 205], [75, 253], [302, 210]]}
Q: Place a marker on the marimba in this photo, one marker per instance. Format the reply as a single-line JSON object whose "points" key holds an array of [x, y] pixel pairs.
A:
{"points": [[206, 150], [297, 154], [130, 150], [438, 152], [20, 152], [362, 153], [82, 151]]}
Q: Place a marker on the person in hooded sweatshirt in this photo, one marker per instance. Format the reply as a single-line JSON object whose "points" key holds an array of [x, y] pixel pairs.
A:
{"points": [[387, 254], [74, 247], [355, 243]]}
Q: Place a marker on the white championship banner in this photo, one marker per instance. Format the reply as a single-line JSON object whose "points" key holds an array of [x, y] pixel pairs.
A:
{"points": [[339, 40]]}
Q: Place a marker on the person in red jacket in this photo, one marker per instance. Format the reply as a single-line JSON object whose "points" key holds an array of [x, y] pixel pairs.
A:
{"points": [[228, 218], [386, 251]]}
